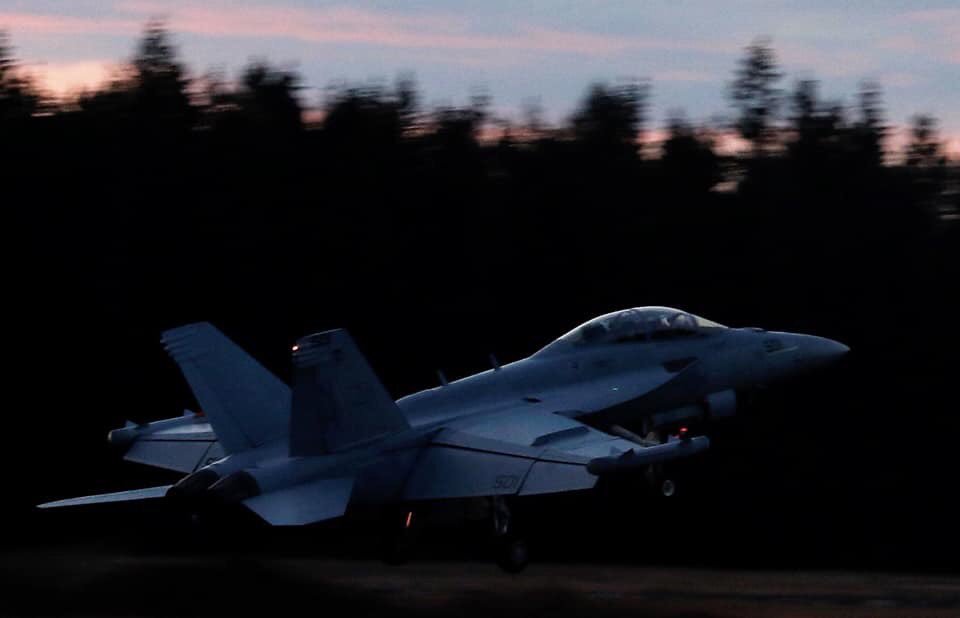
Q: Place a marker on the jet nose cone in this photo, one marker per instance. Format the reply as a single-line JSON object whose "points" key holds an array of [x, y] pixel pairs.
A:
{"points": [[839, 349], [789, 354], [822, 350]]}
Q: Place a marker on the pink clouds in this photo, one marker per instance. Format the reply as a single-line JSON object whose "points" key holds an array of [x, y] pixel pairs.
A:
{"points": [[344, 24], [454, 35], [324, 25], [381, 28], [67, 24]]}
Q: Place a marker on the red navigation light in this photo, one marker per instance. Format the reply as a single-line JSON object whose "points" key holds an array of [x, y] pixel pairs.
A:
{"points": [[409, 519]]}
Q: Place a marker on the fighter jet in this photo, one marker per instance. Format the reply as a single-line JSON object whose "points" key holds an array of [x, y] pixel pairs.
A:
{"points": [[616, 395]]}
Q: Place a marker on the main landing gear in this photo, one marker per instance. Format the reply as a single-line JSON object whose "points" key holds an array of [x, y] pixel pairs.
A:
{"points": [[400, 528], [512, 553]]}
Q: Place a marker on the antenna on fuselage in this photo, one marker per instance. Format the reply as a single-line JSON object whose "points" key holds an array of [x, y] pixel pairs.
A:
{"points": [[494, 362], [443, 377]]}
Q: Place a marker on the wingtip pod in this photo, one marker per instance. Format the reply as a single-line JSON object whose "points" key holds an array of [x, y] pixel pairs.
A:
{"points": [[640, 457], [131, 431]]}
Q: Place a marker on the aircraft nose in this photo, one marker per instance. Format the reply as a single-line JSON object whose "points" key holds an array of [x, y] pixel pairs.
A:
{"points": [[820, 350], [790, 354]]}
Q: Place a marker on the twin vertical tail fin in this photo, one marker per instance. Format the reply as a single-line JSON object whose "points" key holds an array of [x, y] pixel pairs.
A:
{"points": [[246, 404], [338, 401]]}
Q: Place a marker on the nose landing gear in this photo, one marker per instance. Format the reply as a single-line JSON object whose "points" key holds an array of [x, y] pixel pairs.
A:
{"points": [[657, 477]]}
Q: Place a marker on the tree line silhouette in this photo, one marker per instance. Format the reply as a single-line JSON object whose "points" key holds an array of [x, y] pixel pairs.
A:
{"points": [[439, 234]]}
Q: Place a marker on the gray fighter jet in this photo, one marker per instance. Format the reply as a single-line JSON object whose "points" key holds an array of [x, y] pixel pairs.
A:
{"points": [[614, 396]]}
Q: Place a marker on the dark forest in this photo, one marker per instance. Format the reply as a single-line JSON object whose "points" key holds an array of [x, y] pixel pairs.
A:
{"points": [[439, 235]]}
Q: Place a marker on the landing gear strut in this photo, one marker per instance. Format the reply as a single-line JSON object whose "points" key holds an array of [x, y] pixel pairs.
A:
{"points": [[512, 552], [656, 476]]}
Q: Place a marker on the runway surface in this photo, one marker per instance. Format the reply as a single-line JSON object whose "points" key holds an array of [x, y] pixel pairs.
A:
{"points": [[81, 583]]}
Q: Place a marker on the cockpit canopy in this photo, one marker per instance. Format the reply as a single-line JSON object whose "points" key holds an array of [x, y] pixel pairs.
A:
{"points": [[637, 325]]}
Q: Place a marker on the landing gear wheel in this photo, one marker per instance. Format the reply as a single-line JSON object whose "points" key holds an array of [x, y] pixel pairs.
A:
{"points": [[513, 554], [668, 488], [660, 481]]}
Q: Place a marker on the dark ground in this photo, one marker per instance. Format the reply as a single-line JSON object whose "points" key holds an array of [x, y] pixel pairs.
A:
{"points": [[82, 582]]}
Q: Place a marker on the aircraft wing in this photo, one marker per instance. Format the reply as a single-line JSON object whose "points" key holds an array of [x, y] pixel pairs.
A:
{"points": [[527, 453]]}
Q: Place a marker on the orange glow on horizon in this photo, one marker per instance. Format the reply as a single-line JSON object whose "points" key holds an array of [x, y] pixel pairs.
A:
{"points": [[65, 78]]}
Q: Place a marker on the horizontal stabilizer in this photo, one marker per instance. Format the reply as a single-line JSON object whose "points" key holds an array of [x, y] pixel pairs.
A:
{"points": [[303, 504], [246, 405], [148, 493]]}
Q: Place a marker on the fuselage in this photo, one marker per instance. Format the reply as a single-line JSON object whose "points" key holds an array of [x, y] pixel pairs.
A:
{"points": [[717, 359]]}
